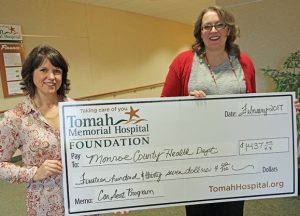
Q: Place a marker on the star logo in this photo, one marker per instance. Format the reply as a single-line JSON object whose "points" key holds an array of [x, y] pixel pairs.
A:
{"points": [[132, 113], [12, 30], [133, 117]]}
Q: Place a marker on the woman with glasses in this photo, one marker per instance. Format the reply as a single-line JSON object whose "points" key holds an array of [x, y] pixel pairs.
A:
{"points": [[214, 66]]}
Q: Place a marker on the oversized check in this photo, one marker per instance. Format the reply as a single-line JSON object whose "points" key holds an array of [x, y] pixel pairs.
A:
{"points": [[157, 152]]}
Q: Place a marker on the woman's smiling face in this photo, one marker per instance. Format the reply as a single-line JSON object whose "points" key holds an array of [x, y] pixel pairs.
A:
{"points": [[47, 78], [214, 39]]}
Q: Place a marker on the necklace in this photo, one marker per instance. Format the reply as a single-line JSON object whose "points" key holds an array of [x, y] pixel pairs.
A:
{"points": [[213, 74]]}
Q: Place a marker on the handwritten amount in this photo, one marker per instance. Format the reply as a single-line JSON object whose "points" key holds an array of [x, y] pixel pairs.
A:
{"points": [[146, 175]]}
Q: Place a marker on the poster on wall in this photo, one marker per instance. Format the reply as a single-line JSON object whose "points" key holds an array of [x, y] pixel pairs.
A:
{"points": [[10, 32], [11, 59]]}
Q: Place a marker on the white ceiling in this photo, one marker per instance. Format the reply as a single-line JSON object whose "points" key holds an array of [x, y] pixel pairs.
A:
{"points": [[183, 11]]}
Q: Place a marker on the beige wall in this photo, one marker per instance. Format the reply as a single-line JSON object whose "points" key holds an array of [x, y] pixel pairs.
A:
{"points": [[107, 50], [270, 31], [110, 50]]}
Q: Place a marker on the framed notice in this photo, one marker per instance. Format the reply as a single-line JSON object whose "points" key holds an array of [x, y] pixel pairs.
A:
{"points": [[11, 60], [158, 152]]}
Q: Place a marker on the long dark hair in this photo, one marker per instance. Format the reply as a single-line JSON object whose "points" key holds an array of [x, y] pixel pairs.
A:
{"points": [[34, 59], [229, 20]]}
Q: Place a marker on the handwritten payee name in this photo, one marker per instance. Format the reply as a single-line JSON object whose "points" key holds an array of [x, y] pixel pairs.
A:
{"points": [[139, 156]]}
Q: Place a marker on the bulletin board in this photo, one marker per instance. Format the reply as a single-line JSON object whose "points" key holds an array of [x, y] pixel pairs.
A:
{"points": [[11, 60]]}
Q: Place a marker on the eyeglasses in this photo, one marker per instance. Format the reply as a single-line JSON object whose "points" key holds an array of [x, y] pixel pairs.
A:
{"points": [[217, 26]]}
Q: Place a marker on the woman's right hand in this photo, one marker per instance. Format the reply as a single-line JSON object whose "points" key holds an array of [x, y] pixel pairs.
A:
{"points": [[47, 169], [198, 93]]}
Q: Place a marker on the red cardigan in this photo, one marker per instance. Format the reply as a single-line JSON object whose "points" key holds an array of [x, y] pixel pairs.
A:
{"points": [[177, 80]]}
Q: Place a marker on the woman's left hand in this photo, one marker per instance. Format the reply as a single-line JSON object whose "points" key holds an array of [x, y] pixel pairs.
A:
{"points": [[197, 93], [297, 105]]}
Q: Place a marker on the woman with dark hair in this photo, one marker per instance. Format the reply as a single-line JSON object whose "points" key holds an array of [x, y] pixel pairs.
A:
{"points": [[33, 128], [213, 66], [35, 59]]}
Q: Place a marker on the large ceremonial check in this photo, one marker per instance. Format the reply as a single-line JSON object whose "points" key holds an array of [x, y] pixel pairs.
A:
{"points": [[157, 152]]}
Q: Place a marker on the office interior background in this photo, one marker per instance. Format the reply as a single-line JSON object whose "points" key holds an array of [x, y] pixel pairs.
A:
{"points": [[116, 54]]}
